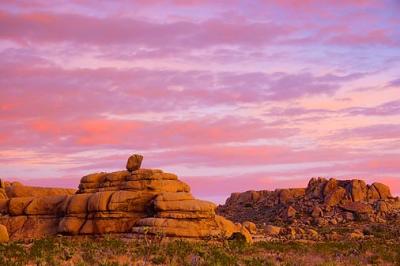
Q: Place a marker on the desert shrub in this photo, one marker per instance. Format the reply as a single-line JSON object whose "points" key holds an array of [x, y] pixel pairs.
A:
{"points": [[159, 259], [179, 248], [88, 249], [237, 244], [219, 257], [12, 254], [45, 250], [282, 246], [336, 247], [258, 262], [113, 263], [115, 245], [328, 263], [381, 250]]}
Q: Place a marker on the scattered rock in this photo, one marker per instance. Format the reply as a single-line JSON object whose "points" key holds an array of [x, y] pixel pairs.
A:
{"points": [[290, 212], [317, 212], [272, 230], [312, 233], [323, 203]]}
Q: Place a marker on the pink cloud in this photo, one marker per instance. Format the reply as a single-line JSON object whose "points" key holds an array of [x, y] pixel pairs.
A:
{"points": [[139, 134], [200, 89], [48, 27]]}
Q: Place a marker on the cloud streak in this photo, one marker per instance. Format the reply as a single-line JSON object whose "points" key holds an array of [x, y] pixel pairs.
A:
{"points": [[264, 94]]}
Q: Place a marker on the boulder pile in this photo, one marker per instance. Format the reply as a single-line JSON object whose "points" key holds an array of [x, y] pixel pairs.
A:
{"points": [[136, 201], [323, 203]]}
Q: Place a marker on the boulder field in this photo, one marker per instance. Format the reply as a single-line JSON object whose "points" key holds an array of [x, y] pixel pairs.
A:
{"points": [[324, 203], [136, 201]]}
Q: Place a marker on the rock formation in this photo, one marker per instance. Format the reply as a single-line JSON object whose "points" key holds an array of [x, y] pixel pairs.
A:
{"points": [[323, 202], [137, 201]]}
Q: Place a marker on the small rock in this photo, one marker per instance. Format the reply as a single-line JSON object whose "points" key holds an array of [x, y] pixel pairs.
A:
{"points": [[320, 222], [356, 234], [3, 234], [290, 212], [348, 216], [317, 212], [134, 162], [272, 230], [251, 227], [292, 232], [312, 233]]}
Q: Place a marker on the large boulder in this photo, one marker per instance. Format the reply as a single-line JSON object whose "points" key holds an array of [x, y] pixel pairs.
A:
{"points": [[382, 189], [358, 190], [286, 195], [335, 196], [357, 207]]}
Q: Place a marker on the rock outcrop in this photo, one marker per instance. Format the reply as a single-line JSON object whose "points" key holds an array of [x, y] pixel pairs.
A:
{"points": [[323, 202], [136, 201]]}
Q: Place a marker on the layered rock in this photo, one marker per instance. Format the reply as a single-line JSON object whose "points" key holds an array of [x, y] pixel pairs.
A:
{"points": [[138, 201]]}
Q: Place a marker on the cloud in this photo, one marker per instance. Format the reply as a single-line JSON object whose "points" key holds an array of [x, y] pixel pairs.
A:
{"points": [[136, 134], [386, 109], [372, 132], [50, 27], [394, 83], [73, 93], [245, 98]]}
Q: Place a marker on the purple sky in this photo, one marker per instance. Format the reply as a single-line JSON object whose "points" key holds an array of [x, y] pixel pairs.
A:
{"points": [[230, 95]]}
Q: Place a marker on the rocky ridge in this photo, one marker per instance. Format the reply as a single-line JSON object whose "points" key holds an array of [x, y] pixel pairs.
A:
{"points": [[325, 205], [135, 201]]}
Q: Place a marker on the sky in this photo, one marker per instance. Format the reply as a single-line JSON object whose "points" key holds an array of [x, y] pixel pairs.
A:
{"points": [[230, 95]]}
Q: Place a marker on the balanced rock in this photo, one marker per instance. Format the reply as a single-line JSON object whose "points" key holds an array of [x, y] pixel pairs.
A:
{"points": [[140, 201], [134, 162]]}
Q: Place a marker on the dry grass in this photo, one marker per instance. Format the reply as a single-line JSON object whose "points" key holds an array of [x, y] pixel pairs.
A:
{"points": [[113, 250]]}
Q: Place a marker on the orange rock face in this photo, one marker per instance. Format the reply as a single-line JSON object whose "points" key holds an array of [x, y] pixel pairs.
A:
{"points": [[139, 201], [323, 201]]}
